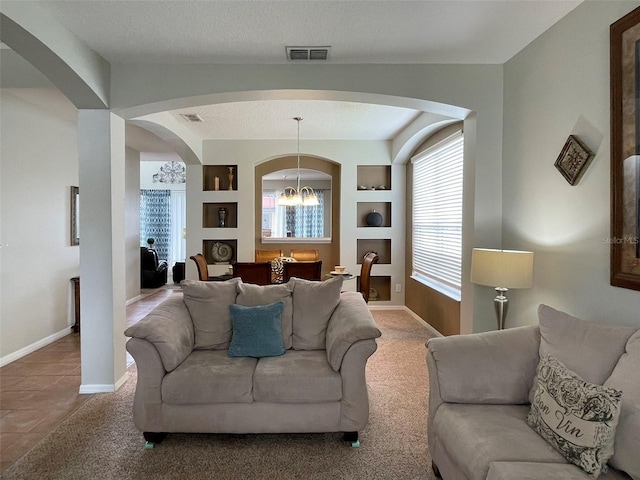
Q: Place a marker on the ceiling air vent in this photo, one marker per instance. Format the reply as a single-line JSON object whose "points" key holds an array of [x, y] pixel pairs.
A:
{"points": [[192, 117], [308, 53]]}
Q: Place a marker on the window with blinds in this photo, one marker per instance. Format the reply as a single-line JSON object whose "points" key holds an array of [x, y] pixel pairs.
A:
{"points": [[437, 216]]}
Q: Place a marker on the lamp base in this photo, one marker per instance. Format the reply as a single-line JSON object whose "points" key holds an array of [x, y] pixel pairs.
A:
{"points": [[501, 305]]}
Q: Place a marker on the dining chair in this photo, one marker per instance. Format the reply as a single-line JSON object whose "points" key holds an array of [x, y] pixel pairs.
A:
{"points": [[368, 260], [268, 255], [201, 263], [305, 255], [253, 272], [306, 270]]}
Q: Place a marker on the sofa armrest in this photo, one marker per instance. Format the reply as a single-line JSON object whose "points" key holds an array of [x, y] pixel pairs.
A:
{"points": [[354, 406], [170, 329], [350, 322], [491, 367], [147, 402]]}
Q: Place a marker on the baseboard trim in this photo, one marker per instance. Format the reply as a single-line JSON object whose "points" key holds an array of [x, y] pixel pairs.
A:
{"points": [[410, 312], [133, 300], [420, 320], [103, 388], [122, 381], [12, 357], [96, 388], [385, 307]]}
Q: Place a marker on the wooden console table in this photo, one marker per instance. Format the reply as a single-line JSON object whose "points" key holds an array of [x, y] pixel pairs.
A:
{"points": [[76, 298]]}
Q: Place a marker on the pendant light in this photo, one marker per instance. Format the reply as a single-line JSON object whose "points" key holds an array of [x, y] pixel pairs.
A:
{"points": [[304, 196]]}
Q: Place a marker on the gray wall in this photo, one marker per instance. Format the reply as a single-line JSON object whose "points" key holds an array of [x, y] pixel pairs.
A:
{"points": [[557, 86]]}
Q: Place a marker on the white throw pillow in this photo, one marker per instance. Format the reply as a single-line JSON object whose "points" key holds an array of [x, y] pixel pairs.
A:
{"points": [[575, 417]]}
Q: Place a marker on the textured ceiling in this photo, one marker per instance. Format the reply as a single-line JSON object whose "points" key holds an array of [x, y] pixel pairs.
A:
{"points": [[249, 32], [273, 119], [361, 31]]}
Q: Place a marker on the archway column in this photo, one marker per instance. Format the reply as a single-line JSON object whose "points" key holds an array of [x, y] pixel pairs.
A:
{"points": [[101, 150]]}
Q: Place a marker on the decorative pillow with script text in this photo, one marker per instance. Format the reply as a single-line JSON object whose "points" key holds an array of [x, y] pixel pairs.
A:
{"points": [[577, 418]]}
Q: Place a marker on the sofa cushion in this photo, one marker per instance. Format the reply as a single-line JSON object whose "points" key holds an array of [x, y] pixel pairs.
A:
{"points": [[210, 376], [208, 304], [313, 305], [298, 376], [625, 377], [257, 331], [474, 436], [576, 417], [572, 341], [251, 295]]}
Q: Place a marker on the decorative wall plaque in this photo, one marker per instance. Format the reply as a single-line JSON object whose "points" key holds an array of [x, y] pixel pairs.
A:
{"points": [[573, 160]]}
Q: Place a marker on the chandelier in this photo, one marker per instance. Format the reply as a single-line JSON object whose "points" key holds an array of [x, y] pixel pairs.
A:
{"points": [[291, 196]]}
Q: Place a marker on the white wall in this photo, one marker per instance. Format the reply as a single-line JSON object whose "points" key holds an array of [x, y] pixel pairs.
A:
{"points": [[557, 86], [250, 153], [148, 169], [39, 165]]}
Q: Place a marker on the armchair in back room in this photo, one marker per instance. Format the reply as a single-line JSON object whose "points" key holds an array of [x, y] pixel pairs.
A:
{"points": [[153, 273]]}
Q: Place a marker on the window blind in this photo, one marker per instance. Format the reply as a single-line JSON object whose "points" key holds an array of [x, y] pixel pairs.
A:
{"points": [[437, 215]]}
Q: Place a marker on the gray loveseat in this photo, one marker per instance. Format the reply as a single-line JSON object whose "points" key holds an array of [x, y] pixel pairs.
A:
{"points": [[481, 386], [187, 382]]}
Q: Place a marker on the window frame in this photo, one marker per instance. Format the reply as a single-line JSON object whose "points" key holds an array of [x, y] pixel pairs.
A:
{"points": [[441, 274]]}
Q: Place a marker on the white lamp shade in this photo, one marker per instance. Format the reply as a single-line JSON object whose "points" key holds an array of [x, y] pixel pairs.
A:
{"points": [[502, 268]]}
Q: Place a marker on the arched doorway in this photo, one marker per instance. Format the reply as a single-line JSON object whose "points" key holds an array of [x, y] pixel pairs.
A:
{"points": [[329, 248]]}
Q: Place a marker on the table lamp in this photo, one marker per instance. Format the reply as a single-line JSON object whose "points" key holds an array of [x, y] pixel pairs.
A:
{"points": [[504, 268]]}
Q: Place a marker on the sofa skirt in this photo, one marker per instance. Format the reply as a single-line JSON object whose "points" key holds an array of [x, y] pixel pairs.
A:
{"points": [[256, 417]]}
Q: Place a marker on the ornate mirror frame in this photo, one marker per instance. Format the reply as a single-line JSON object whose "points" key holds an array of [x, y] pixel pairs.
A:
{"points": [[625, 151]]}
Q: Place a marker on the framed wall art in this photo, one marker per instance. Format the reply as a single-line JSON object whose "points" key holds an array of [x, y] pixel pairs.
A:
{"points": [[625, 151], [75, 216], [573, 160]]}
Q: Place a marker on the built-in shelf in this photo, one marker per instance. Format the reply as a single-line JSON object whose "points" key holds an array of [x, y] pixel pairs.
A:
{"points": [[382, 246], [207, 250], [222, 173], [374, 177], [382, 286], [364, 208], [211, 215]]}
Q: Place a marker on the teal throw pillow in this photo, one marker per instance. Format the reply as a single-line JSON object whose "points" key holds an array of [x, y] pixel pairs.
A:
{"points": [[257, 331]]}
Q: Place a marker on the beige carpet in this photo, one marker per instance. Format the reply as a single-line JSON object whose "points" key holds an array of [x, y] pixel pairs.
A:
{"points": [[100, 441]]}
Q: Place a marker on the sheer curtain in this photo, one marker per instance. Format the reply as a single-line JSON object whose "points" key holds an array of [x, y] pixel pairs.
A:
{"points": [[163, 217], [178, 224], [155, 220], [307, 221], [278, 219]]}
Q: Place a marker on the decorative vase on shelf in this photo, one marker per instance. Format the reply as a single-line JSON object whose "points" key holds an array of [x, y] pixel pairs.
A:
{"points": [[373, 219], [222, 216], [230, 178]]}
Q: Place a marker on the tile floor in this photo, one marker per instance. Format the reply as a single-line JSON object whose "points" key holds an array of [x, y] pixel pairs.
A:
{"points": [[40, 390]]}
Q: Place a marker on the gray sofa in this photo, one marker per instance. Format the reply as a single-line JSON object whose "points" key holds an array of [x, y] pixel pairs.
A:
{"points": [[187, 382], [481, 387]]}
